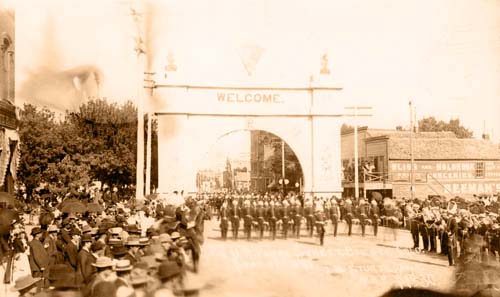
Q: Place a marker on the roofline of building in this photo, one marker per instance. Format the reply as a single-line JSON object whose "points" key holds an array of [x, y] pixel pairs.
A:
{"points": [[400, 159]]}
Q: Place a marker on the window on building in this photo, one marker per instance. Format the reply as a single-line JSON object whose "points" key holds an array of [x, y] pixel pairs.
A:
{"points": [[479, 169]]}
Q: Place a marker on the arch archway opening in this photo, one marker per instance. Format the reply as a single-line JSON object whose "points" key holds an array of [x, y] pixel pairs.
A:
{"points": [[250, 161]]}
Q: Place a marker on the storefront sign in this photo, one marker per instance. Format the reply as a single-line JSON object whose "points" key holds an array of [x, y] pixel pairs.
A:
{"points": [[445, 170]]}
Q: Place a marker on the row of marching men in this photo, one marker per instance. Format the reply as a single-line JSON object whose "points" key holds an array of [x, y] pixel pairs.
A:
{"points": [[289, 215], [454, 232]]}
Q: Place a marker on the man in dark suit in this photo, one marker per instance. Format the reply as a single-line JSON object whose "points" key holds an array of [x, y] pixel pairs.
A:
{"points": [[85, 260], [71, 249], [39, 259]]}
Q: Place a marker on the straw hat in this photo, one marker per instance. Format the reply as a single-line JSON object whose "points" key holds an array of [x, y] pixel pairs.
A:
{"points": [[164, 237], [25, 282], [133, 242], [175, 235], [123, 265], [103, 262]]}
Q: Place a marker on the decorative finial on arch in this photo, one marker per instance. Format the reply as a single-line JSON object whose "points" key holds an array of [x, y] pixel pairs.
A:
{"points": [[324, 64]]}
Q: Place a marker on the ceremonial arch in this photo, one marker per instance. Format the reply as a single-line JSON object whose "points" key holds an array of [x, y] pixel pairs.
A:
{"points": [[307, 118]]}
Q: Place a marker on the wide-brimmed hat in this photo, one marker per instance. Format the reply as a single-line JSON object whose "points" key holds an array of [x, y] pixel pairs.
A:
{"points": [[66, 281], [168, 269], [86, 229], [133, 242], [116, 230], [103, 262], [133, 229], [115, 241], [123, 265], [138, 276], [86, 238], [119, 250], [164, 237], [25, 282], [36, 230], [97, 246], [144, 241]]}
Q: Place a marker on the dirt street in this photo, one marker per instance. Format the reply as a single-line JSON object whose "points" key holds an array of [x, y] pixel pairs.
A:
{"points": [[344, 266]]}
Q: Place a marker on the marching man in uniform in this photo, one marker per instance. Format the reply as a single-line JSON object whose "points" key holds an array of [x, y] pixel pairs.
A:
{"points": [[272, 218], [319, 216], [260, 214], [309, 214], [363, 215], [297, 218], [247, 219], [374, 214], [334, 215], [224, 221], [235, 218], [348, 215]]}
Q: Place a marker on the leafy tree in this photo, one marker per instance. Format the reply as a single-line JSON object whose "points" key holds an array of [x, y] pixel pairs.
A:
{"points": [[40, 147], [107, 137], [430, 124]]}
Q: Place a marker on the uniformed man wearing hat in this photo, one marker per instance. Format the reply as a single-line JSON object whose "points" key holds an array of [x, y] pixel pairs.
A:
{"points": [[272, 218], [319, 217], [224, 219], [297, 217], [235, 218], [309, 215], [260, 216], [348, 208], [334, 215], [363, 215], [247, 214], [374, 215]]}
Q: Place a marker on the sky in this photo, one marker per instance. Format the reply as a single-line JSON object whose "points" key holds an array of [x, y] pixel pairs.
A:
{"points": [[442, 55]]}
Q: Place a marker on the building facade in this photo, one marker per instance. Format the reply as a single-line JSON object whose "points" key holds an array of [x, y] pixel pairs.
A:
{"points": [[261, 149], [443, 164], [9, 137]]}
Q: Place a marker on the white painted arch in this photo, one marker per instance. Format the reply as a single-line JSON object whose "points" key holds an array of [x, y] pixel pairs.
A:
{"points": [[195, 118]]}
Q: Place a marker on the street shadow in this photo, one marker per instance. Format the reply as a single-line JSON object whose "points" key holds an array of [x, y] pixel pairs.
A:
{"points": [[423, 262], [306, 242]]}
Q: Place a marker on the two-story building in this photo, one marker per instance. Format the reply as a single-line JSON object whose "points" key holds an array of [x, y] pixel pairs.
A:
{"points": [[443, 164]]}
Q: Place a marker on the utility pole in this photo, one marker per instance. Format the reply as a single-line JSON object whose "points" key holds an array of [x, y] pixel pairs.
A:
{"points": [[283, 164], [139, 187], [412, 173], [356, 161]]}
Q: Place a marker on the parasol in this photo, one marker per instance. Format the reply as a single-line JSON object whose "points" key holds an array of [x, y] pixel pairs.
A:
{"points": [[7, 218], [377, 196], [74, 206], [94, 207]]}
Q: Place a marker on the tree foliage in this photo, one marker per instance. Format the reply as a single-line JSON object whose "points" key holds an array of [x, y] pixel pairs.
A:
{"points": [[95, 143], [430, 124]]}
